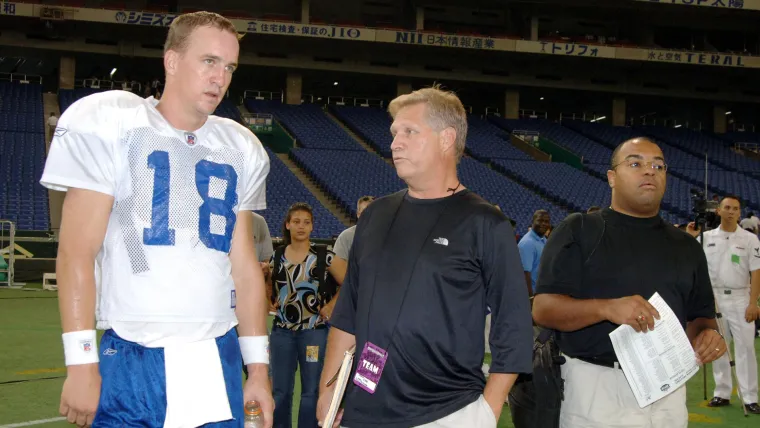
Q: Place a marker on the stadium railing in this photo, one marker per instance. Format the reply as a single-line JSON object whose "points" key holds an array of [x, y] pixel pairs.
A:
{"points": [[7, 234]]}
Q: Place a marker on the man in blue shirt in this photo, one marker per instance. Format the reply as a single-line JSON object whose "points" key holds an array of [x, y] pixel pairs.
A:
{"points": [[531, 245]]}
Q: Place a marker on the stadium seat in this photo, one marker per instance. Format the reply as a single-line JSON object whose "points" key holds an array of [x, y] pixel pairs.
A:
{"points": [[284, 189], [308, 123], [22, 156]]}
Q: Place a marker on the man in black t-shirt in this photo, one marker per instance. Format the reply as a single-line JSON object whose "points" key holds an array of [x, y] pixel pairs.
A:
{"points": [[424, 265], [585, 292]]}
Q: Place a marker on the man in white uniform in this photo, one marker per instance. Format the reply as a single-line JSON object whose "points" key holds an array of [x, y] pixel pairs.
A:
{"points": [[733, 258], [156, 243]]}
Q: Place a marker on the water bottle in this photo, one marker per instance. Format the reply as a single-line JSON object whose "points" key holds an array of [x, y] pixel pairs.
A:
{"points": [[253, 416]]}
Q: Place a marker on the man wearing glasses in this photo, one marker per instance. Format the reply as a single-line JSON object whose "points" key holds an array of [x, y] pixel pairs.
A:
{"points": [[597, 273]]}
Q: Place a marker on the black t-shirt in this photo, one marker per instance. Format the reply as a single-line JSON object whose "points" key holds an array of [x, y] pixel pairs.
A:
{"points": [[446, 260], [634, 256]]}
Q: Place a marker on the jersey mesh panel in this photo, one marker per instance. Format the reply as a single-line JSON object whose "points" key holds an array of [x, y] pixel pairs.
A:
{"points": [[135, 196]]}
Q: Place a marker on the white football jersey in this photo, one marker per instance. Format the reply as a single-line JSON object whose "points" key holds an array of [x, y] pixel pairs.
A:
{"points": [[165, 257]]}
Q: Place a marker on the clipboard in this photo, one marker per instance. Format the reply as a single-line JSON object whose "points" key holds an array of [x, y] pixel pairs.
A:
{"points": [[341, 380]]}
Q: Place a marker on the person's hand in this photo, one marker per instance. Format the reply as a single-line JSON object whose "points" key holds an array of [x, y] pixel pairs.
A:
{"points": [[257, 388], [692, 229], [633, 310], [265, 268], [327, 310], [81, 394], [752, 313], [709, 346], [323, 406]]}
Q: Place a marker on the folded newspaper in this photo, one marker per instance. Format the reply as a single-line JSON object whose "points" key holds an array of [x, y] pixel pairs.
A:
{"points": [[341, 381], [657, 362]]}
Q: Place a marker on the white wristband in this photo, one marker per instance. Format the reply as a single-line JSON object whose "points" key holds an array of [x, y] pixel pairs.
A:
{"points": [[80, 347], [255, 349]]}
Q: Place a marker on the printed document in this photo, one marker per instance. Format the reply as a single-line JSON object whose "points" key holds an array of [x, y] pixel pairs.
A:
{"points": [[657, 362]]}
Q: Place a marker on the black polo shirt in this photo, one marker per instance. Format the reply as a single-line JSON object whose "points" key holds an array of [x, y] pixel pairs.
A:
{"points": [[634, 256], [446, 260]]}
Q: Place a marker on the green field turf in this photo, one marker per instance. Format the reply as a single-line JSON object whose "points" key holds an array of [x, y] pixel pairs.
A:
{"points": [[31, 369]]}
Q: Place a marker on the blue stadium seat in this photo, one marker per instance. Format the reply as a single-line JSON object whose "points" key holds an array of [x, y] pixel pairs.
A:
{"points": [[308, 123], [22, 156], [685, 170], [284, 189]]}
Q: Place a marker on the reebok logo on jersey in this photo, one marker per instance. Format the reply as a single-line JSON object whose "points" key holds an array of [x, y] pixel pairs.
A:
{"points": [[60, 132], [109, 352], [441, 241]]}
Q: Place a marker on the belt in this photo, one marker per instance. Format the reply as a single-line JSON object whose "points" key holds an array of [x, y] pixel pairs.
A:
{"points": [[730, 291], [601, 362]]}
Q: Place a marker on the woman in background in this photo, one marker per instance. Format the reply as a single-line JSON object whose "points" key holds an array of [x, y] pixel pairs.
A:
{"points": [[299, 334]]}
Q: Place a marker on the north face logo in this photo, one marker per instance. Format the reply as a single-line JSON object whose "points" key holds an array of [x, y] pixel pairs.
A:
{"points": [[441, 241]]}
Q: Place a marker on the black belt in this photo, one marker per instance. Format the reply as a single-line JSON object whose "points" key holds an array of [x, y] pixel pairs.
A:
{"points": [[600, 362]]}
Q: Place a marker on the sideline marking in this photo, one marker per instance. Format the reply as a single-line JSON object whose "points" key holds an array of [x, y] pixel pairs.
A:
{"points": [[37, 422]]}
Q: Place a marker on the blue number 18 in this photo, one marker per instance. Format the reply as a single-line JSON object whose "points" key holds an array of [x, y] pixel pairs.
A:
{"points": [[159, 232]]}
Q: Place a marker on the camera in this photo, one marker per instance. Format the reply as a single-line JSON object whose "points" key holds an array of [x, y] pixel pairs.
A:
{"points": [[704, 210]]}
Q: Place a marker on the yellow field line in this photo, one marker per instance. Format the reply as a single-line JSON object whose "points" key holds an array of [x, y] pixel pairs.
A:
{"points": [[698, 417]]}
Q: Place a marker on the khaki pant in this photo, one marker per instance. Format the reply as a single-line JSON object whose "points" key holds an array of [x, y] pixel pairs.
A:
{"points": [[475, 415], [600, 397]]}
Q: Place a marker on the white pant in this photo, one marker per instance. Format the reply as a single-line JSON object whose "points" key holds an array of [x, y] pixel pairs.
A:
{"points": [[733, 306], [600, 397], [474, 415]]}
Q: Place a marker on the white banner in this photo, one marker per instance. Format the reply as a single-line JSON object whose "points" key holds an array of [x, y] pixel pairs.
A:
{"points": [[685, 57], [566, 49], [157, 19], [16, 9], [444, 40], [720, 4], [309, 30]]}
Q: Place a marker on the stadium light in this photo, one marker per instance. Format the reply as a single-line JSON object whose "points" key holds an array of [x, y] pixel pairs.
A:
{"points": [[677, 126], [113, 71], [335, 83], [599, 118], [541, 99], [727, 113]]}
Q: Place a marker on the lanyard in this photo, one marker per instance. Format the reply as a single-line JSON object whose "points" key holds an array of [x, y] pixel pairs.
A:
{"points": [[444, 206]]}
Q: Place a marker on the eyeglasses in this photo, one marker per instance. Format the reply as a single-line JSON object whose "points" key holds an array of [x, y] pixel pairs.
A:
{"points": [[635, 164]]}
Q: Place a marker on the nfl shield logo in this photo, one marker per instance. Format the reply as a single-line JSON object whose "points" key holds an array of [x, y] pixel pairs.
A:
{"points": [[86, 346], [190, 138]]}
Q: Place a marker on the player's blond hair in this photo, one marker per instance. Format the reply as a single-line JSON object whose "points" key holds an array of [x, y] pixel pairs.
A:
{"points": [[184, 25], [444, 110]]}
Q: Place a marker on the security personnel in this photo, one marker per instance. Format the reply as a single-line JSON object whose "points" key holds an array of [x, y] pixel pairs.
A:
{"points": [[732, 254]]}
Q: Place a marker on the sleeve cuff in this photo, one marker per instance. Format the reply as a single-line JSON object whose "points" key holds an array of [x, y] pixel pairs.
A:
{"points": [[253, 207], [709, 314], [62, 184], [553, 289], [512, 368], [341, 323]]}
